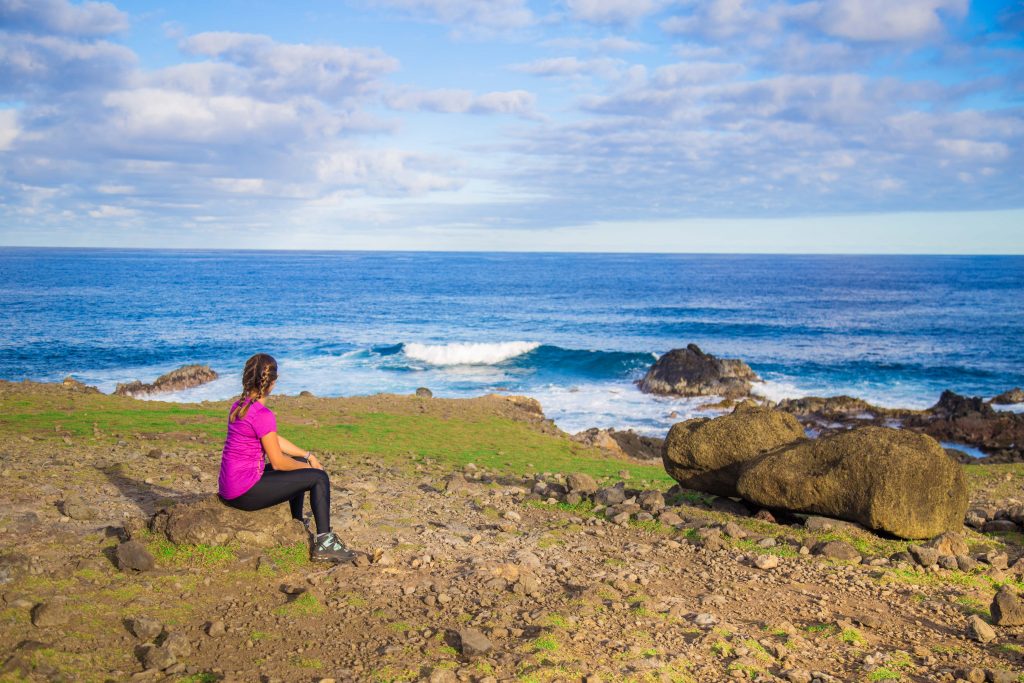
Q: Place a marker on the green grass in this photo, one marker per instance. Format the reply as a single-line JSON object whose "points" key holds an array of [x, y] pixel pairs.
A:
{"points": [[188, 555], [852, 636], [290, 558], [884, 674], [306, 604], [545, 644]]}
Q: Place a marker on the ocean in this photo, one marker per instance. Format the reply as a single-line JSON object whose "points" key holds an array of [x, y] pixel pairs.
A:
{"points": [[572, 330]]}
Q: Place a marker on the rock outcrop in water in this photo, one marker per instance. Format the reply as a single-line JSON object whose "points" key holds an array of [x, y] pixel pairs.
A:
{"points": [[1015, 395], [970, 420], [691, 372], [886, 479], [185, 377]]}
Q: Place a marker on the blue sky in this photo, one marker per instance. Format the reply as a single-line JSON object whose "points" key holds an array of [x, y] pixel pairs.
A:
{"points": [[582, 125]]}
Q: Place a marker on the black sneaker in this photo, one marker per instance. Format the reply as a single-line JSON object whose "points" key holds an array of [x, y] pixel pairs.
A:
{"points": [[328, 547]]}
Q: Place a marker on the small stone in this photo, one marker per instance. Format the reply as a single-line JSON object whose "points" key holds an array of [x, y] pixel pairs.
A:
{"points": [[978, 630], [145, 629], [949, 543], [215, 628], [733, 530], [581, 483], [132, 555], [443, 676], [177, 644], [1006, 608], [766, 561], [704, 619], [995, 558], [52, 613], [157, 657], [293, 589], [926, 557], [798, 676], [837, 550], [994, 676], [473, 642]]}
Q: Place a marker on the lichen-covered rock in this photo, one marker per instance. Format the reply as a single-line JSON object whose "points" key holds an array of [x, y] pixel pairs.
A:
{"points": [[209, 521], [691, 372], [889, 480], [706, 454]]}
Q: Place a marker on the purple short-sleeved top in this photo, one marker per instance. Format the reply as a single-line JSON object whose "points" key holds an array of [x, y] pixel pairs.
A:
{"points": [[241, 463]]}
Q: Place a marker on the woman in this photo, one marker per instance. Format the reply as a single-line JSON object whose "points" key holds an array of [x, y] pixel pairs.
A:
{"points": [[245, 483]]}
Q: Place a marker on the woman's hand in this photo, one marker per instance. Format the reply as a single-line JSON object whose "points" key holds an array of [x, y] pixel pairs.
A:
{"points": [[314, 463]]}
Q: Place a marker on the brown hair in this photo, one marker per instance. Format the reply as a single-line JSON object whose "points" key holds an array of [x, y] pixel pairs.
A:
{"points": [[259, 373]]}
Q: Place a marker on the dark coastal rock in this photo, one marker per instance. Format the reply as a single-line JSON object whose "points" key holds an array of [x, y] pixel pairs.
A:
{"points": [[888, 480], [185, 377], [972, 421], [706, 454], [211, 522], [423, 392], [625, 442], [1015, 395], [836, 408], [691, 372], [637, 445]]}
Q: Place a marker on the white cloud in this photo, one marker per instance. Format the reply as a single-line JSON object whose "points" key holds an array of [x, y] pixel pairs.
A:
{"points": [[975, 149], [490, 14], [888, 20], [571, 67], [9, 129], [60, 16], [449, 101], [606, 44], [327, 71], [612, 11]]}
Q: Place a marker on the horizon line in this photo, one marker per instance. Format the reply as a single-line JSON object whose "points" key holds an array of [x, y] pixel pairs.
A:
{"points": [[512, 251]]}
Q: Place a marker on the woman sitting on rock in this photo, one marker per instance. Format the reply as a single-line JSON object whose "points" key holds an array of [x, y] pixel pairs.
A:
{"points": [[246, 484]]}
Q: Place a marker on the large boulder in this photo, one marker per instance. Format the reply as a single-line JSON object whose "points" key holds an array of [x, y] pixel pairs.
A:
{"points": [[707, 454], [691, 372], [185, 377], [208, 521], [889, 480]]}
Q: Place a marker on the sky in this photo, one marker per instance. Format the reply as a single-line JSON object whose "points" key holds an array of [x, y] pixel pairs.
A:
{"points": [[857, 126]]}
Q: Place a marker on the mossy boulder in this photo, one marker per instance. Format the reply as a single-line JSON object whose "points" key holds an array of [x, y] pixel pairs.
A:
{"points": [[707, 454], [889, 480], [208, 521]]}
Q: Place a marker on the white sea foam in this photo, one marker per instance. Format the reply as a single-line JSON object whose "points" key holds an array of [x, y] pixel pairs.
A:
{"points": [[467, 353]]}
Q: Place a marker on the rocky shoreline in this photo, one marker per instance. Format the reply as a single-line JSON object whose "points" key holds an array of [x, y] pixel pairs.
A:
{"points": [[479, 561]]}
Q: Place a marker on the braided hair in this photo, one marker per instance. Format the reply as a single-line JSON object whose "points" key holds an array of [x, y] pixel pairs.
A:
{"points": [[259, 373]]}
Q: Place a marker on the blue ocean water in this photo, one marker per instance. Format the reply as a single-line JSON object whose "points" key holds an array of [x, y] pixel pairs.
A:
{"points": [[573, 330]]}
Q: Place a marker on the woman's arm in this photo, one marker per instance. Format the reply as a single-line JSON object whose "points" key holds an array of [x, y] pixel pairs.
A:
{"points": [[288, 448], [278, 460]]}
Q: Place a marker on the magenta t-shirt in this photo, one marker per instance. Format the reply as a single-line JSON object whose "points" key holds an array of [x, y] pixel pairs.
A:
{"points": [[241, 463]]}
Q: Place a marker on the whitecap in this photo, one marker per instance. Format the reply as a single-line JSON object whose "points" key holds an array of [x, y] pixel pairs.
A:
{"points": [[467, 353]]}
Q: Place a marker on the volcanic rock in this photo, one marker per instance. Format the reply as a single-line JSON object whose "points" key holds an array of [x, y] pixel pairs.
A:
{"points": [[886, 479], [691, 372], [1015, 395], [1006, 608], [185, 377], [209, 521], [707, 454], [134, 555]]}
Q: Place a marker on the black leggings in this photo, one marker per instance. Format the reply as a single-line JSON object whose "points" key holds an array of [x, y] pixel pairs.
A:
{"points": [[277, 486]]}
